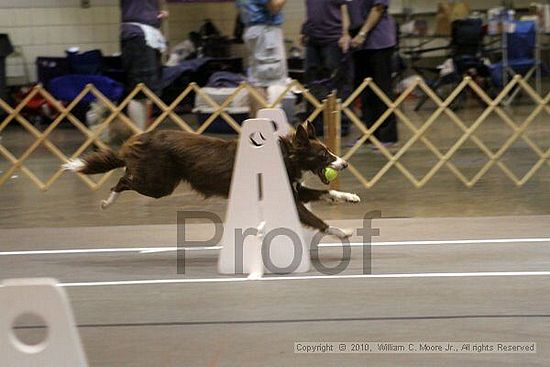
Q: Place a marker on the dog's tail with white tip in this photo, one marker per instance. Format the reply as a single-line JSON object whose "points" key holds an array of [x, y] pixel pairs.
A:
{"points": [[100, 162]]}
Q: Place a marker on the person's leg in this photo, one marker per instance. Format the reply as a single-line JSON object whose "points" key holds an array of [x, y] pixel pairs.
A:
{"points": [[142, 65], [256, 105], [358, 76], [130, 49], [150, 75], [360, 59], [313, 61], [363, 70], [280, 55], [315, 77], [381, 63], [268, 65], [347, 69], [339, 66], [331, 56], [251, 38]]}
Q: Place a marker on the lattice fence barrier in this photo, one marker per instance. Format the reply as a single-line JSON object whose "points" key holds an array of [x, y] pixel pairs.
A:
{"points": [[443, 107], [15, 115], [331, 110]]}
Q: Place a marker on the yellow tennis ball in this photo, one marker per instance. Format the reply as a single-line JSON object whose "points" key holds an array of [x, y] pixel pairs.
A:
{"points": [[330, 174]]}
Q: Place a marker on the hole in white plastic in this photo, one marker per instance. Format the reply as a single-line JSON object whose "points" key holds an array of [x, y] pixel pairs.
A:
{"points": [[30, 333], [257, 139]]}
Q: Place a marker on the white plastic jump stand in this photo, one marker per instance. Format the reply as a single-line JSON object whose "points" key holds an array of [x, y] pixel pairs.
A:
{"points": [[283, 128], [42, 298], [261, 201], [278, 116]]}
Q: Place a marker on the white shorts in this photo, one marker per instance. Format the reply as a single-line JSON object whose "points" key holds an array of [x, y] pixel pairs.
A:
{"points": [[267, 63]]}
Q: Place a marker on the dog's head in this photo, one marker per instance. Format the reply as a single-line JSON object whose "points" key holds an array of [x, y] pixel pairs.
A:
{"points": [[309, 154]]}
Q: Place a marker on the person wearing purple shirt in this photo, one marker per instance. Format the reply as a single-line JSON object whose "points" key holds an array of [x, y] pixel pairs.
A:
{"points": [[324, 22], [326, 39], [374, 39]]}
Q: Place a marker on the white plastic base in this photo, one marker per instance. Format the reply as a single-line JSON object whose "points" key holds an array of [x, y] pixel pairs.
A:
{"points": [[43, 298]]}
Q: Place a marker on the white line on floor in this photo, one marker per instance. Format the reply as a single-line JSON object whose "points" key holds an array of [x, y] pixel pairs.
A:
{"points": [[307, 277], [149, 250]]}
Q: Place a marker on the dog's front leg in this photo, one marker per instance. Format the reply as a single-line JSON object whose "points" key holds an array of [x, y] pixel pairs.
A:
{"points": [[311, 220], [332, 196], [306, 195]]}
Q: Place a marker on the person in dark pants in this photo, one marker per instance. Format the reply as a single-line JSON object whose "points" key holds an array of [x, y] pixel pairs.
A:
{"points": [[325, 35], [374, 40], [142, 44]]}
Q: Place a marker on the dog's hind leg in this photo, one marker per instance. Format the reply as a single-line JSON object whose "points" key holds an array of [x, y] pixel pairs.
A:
{"points": [[110, 200], [122, 185]]}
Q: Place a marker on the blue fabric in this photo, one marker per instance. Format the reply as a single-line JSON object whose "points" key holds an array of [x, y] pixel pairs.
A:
{"points": [[225, 79], [520, 66], [67, 88], [520, 49], [171, 73], [254, 12], [522, 43]]}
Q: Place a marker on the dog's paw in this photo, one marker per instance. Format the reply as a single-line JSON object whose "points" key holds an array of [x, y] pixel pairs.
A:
{"points": [[352, 198], [342, 197], [340, 233], [104, 204]]}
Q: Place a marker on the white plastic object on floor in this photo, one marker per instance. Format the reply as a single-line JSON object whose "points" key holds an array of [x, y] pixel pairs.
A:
{"points": [[44, 299], [261, 192]]}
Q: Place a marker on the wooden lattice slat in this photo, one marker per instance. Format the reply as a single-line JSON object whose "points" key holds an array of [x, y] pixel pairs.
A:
{"points": [[331, 110]]}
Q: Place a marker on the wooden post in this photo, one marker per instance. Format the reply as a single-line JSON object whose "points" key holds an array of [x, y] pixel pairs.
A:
{"points": [[331, 117]]}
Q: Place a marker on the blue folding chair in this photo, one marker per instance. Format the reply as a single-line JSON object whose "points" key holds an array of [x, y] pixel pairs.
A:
{"points": [[519, 56]]}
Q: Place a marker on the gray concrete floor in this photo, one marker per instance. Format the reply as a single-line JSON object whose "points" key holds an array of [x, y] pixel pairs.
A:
{"points": [[420, 291]]}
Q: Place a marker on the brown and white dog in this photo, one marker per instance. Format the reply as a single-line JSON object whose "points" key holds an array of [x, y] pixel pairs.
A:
{"points": [[158, 161]]}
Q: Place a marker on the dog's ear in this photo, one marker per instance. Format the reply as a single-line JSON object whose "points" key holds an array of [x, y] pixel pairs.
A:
{"points": [[301, 138], [285, 146], [310, 130]]}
